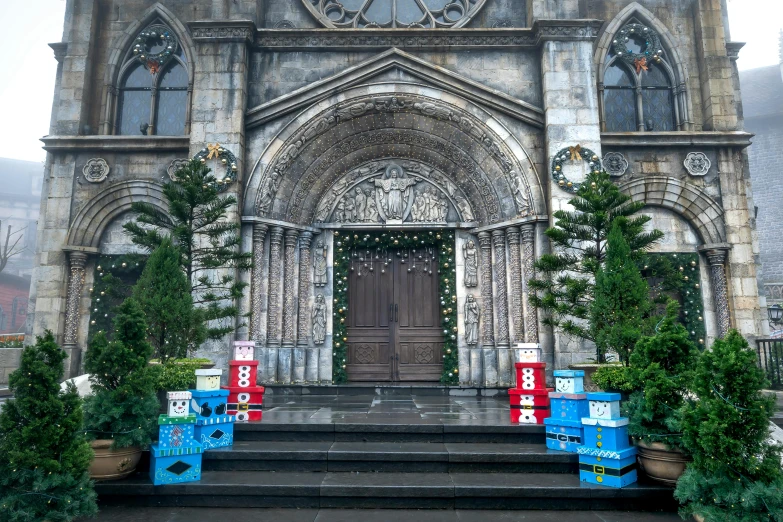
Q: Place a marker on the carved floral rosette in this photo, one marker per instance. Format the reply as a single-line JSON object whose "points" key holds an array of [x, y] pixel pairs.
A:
{"points": [[697, 164], [615, 164], [96, 170]]}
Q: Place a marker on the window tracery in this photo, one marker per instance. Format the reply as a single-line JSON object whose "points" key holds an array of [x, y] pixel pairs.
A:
{"points": [[153, 86], [394, 13]]}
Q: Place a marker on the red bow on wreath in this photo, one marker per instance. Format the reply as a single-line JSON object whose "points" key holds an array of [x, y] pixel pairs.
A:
{"points": [[153, 66], [641, 65]]}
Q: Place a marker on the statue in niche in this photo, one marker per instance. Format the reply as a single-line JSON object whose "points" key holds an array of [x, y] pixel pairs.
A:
{"points": [[464, 208], [268, 190], [319, 320], [471, 320], [470, 254], [521, 197], [350, 208], [339, 212], [371, 214], [360, 206], [393, 192], [319, 264], [443, 209]]}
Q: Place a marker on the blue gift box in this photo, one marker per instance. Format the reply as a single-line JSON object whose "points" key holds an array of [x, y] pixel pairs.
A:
{"points": [[614, 469], [563, 435], [569, 381], [176, 432], [606, 434], [208, 404], [568, 406], [175, 465], [215, 432]]}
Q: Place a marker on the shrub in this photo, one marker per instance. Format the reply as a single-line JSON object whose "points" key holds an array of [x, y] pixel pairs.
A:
{"points": [[613, 378]]}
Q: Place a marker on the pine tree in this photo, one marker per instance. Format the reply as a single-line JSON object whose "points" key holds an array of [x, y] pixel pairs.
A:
{"points": [[208, 242], [622, 299], [661, 370], [43, 453], [736, 473], [123, 406], [565, 286], [174, 326]]}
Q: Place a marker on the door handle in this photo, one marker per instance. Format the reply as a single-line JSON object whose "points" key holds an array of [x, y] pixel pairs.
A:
{"points": [[396, 313]]}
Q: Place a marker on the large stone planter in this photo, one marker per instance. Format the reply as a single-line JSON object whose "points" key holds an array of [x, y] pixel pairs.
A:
{"points": [[661, 463], [109, 464]]}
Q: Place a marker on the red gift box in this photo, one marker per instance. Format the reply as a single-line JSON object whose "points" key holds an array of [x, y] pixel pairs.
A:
{"points": [[242, 374], [529, 406], [531, 375], [246, 403]]}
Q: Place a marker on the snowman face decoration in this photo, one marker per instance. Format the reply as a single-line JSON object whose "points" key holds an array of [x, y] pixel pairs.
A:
{"points": [[178, 408], [528, 356], [564, 384]]}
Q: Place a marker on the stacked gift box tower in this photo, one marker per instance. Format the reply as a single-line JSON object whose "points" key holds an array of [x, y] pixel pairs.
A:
{"points": [[606, 458], [214, 425], [568, 402], [176, 457], [530, 399], [245, 398]]}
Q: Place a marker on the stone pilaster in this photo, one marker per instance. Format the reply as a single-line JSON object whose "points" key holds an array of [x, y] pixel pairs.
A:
{"points": [[515, 270], [720, 289], [77, 262], [528, 241], [487, 327], [256, 294]]}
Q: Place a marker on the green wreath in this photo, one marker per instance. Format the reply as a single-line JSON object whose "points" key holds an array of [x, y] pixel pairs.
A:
{"points": [[575, 154], [652, 44], [226, 157], [147, 39], [444, 245]]}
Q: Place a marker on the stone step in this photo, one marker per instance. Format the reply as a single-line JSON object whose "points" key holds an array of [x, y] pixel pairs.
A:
{"points": [[407, 457], [384, 389], [388, 432], [260, 489]]}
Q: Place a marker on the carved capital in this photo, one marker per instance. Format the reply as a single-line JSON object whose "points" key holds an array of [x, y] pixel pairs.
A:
{"points": [[499, 238], [259, 231], [716, 256], [513, 234], [528, 233], [291, 237], [77, 260], [485, 240]]}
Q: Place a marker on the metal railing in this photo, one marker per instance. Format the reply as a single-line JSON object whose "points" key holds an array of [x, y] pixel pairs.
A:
{"points": [[770, 359]]}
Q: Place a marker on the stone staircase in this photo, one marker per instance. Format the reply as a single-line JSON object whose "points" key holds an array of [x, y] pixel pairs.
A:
{"points": [[383, 466]]}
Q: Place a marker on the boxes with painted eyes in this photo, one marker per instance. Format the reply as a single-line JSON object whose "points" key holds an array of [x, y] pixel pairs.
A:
{"points": [[569, 381], [175, 465], [528, 406], [604, 405], [208, 379], [242, 374], [243, 350], [564, 429], [246, 404], [615, 469], [178, 403], [531, 376], [528, 352], [214, 425]]}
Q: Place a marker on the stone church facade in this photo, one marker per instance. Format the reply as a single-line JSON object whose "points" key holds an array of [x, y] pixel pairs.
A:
{"points": [[472, 117]]}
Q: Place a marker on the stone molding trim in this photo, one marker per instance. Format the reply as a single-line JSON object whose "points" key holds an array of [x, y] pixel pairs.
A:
{"points": [[689, 139], [697, 164], [689, 201], [77, 144], [96, 170], [733, 49], [223, 30], [92, 219], [566, 30], [396, 59], [60, 50], [717, 256]]}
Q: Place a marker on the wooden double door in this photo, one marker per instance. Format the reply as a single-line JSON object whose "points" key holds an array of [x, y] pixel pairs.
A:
{"points": [[394, 330]]}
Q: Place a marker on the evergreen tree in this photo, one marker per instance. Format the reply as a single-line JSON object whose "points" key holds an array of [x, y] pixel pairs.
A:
{"points": [[123, 406], [174, 326], [661, 370], [209, 243], [43, 453], [565, 287], [735, 474], [622, 299]]}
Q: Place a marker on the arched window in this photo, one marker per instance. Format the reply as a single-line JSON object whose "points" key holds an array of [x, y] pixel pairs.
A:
{"points": [[153, 86], [638, 83]]}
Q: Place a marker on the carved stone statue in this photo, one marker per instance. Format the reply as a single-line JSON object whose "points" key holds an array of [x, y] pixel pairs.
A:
{"points": [[472, 313], [361, 205], [319, 320], [464, 208], [393, 192], [521, 197], [268, 191], [319, 264], [470, 253], [371, 214]]}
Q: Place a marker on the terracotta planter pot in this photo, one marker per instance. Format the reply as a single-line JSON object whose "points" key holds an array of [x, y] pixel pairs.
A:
{"points": [[661, 463], [109, 464], [698, 518]]}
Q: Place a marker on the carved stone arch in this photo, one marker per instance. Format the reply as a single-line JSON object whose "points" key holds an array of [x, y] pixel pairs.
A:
{"points": [[91, 221], [119, 52], [702, 212], [339, 126], [675, 66]]}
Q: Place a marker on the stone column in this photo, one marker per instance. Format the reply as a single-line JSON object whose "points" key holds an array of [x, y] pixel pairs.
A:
{"points": [[256, 295], [285, 355], [490, 377], [528, 241], [309, 361], [515, 269], [720, 290], [77, 262], [273, 333], [501, 298]]}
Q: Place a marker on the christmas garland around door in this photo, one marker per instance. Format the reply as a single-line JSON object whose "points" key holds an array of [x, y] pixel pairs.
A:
{"points": [[440, 243]]}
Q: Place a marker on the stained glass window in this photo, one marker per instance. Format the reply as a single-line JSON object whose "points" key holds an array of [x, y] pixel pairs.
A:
{"points": [[394, 13], [163, 77]]}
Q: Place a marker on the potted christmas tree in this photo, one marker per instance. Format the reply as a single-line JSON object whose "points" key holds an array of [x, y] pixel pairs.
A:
{"points": [[43, 454], [120, 415], [735, 475], [661, 369]]}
